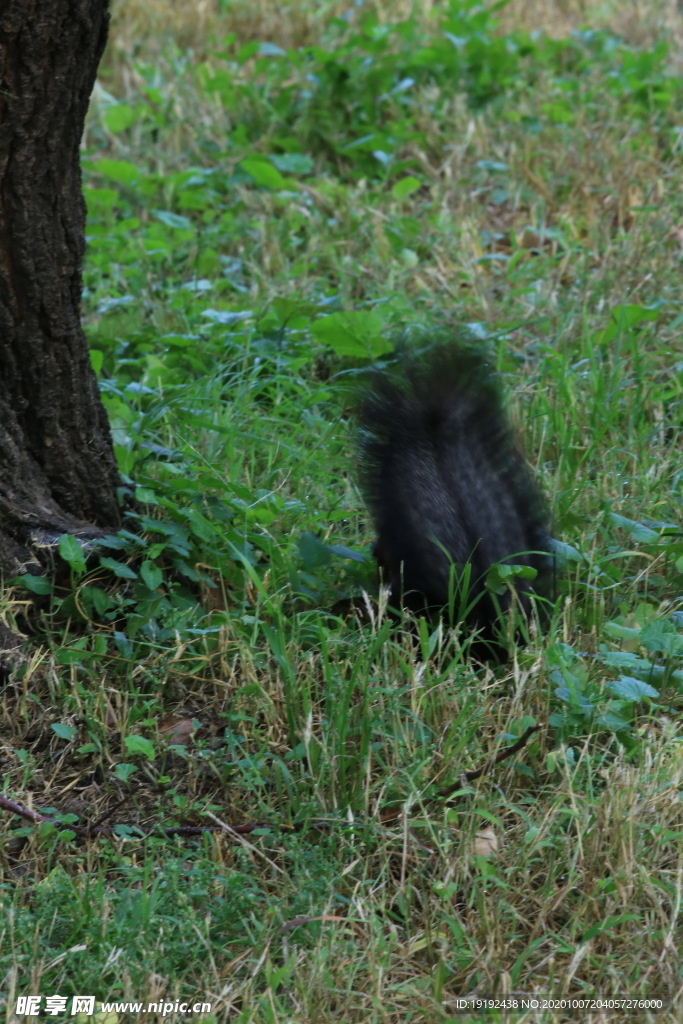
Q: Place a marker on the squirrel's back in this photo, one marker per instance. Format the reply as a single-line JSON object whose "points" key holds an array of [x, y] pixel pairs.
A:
{"points": [[445, 482]]}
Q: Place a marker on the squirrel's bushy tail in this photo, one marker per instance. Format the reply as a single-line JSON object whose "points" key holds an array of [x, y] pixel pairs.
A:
{"points": [[449, 492]]}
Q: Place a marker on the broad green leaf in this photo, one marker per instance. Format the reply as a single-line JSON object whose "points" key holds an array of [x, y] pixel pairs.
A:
{"points": [[140, 745], [173, 220], [357, 334], [65, 732], [72, 552], [120, 116], [405, 187], [293, 163], [120, 170], [36, 584], [151, 574], [119, 569], [641, 533], [263, 173], [632, 689], [124, 771]]}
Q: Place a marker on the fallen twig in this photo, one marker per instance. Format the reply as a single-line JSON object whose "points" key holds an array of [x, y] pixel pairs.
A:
{"points": [[502, 755]]}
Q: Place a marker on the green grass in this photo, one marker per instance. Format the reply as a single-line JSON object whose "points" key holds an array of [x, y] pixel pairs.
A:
{"points": [[274, 198]]}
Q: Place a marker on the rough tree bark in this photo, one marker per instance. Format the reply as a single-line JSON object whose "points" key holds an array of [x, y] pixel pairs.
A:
{"points": [[57, 468]]}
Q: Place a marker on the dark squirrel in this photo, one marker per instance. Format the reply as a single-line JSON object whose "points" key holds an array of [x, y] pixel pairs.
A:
{"points": [[449, 491]]}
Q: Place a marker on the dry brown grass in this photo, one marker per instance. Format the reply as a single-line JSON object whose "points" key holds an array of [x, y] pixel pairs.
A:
{"points": [[145, 25]]}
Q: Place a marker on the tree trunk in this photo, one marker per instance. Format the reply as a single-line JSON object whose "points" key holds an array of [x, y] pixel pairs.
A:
{"points": [[57, 468]]}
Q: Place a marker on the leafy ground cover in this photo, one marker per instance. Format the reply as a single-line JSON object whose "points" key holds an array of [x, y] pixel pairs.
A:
{"points": [[275, 196]]}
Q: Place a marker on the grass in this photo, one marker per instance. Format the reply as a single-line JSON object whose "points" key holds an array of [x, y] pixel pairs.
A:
{"points": [[274, 195]]}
